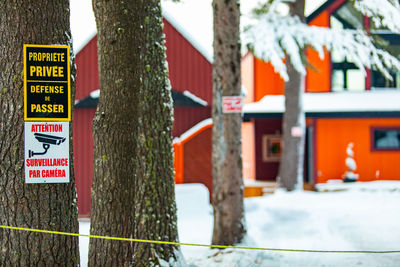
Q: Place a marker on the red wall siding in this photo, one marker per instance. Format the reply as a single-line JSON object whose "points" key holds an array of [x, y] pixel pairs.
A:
{"points": [[197, 159], [188, 69], [186, 118], [87, 72], [266, 170], [333, 137], [83, 157]]}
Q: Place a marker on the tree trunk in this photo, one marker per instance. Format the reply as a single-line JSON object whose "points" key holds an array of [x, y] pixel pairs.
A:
{"points": [[115, 131], [227, 196], [133, 184], [291, 165], [290, 174], [155, 207], [42, 206]]}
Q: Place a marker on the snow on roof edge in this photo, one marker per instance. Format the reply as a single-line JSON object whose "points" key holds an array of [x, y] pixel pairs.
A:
{"points": [[192, 130], [195, 98], [83, 44], [368, 101], [189, 37], [207, 54], [95, 93]]}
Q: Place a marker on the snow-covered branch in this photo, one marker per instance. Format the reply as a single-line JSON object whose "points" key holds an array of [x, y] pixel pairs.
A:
{"points": [[274, 37], [383, 13]]}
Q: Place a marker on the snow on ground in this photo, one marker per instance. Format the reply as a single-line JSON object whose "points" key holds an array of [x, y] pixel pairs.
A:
{"points": [[350, 219], [84, 228], [374, 186]]}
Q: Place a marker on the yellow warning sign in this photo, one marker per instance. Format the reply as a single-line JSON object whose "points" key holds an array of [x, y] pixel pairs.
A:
{"points": [[47, 83]]}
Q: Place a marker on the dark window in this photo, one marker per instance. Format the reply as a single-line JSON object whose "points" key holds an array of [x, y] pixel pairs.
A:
{"points": [[391, 43], [380, 81], [386, 138], [345, 74]]}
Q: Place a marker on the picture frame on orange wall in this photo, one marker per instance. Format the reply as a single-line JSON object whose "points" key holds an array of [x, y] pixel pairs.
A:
{"points": [[271, 147]]}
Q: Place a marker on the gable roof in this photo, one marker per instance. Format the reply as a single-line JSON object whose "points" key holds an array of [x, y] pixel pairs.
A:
{"points": [[83, 24], [82, 14], [205, 50], [320, 9], [191, 18]]}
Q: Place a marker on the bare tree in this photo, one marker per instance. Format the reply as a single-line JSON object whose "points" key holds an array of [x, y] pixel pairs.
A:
{"points": [[227, 196], [41, 206], [133, 183], [290, 174]]}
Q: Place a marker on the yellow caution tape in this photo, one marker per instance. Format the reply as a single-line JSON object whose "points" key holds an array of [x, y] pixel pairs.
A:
{"points": [[195, 245]]}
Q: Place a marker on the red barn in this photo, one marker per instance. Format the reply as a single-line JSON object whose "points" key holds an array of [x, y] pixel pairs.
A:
{"points": [[190, 74]]}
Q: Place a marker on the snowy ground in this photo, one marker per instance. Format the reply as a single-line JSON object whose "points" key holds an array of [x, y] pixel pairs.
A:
{"points": [[364, 217]]}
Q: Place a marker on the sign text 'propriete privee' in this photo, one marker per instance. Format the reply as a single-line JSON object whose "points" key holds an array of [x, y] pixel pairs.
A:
{"points": [[47, 83]]}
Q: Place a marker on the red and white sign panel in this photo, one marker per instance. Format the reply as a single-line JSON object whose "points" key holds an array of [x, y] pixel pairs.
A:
{"points": [[46, 152], [232, 104]]}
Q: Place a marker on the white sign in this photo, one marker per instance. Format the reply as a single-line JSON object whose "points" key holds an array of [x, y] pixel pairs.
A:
{"points": [[232, 104], [297, 131], [46, 152]]}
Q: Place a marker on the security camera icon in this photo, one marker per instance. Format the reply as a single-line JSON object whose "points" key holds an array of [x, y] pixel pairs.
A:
{"points": [[47, 140]]}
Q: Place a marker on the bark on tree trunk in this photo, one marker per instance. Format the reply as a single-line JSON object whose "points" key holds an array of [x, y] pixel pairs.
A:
{"points": [[42, 206], [290, 174], [133, 183], [115, 130], [291, 165], [227, 196], [155, 207]]}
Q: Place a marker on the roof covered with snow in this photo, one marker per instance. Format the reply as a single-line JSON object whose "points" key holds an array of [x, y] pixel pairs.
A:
{"points": [[184, 16], [192, 131], [83, 24], [192, 18], [335, 102]]}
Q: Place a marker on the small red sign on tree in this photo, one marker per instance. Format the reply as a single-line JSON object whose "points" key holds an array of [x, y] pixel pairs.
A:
{"points": [[232, 104]]}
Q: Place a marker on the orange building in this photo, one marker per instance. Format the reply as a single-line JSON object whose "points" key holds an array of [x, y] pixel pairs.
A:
{"points": [[341, 104], [370, 120]]}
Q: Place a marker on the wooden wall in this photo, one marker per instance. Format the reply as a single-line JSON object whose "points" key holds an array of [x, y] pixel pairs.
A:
{"points": [[265, 170], [266, 80], [248, 150], [83, 157], [332, 138], [188, 70], [247, 71], [318, 78], [197, 159]]}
